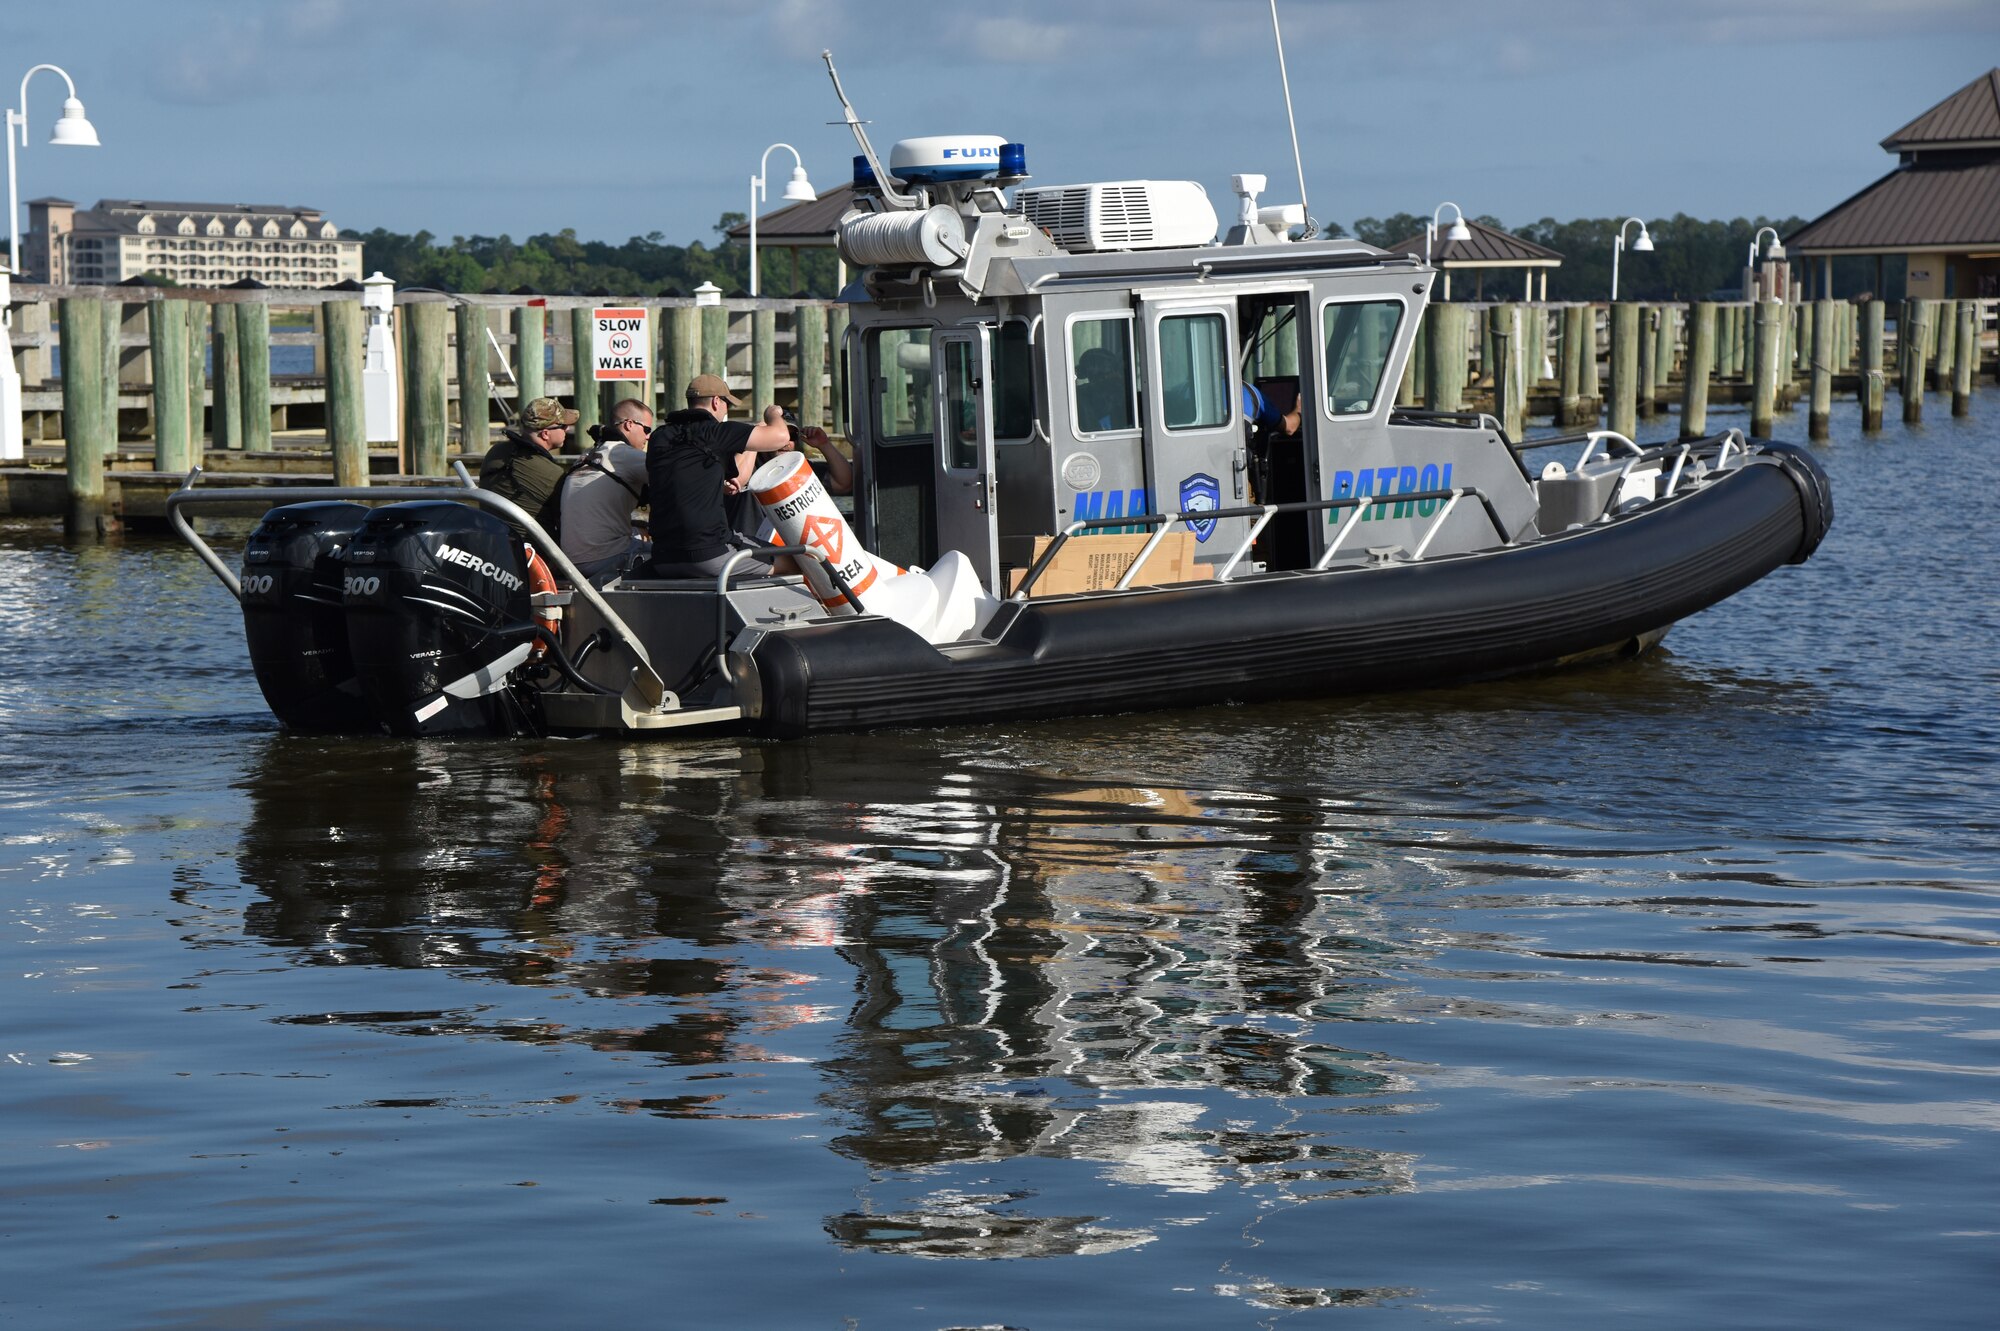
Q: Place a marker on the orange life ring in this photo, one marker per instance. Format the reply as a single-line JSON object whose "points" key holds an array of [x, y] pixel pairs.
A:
{"points": [[541, 579]]}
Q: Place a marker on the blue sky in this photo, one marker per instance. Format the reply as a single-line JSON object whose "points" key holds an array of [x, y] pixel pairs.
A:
{"points": [[620, 118]]}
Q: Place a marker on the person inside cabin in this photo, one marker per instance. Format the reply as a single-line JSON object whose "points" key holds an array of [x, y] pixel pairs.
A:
{"points": [[523, 466], [1267, 417], [601, 491], [695, 461], [1103, 399]]}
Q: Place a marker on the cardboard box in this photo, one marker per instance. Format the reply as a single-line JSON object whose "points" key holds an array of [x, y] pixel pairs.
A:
{"points": [[1095, 563]]}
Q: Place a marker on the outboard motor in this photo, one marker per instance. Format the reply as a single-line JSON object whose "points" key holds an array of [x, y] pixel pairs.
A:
{"points": [[438, 616], [293, 620]]}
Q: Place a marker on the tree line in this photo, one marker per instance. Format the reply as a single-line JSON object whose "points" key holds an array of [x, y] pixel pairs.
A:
{"points": [[1692, 259]]}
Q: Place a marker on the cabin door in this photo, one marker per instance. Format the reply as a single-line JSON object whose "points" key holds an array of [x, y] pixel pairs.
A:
{"points": [[1196, 449], [962, 370]]}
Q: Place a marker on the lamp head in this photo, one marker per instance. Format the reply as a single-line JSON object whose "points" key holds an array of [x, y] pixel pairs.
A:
{"points": [[1644, 244], [800, 190], [1459, 231], [73, 130]]}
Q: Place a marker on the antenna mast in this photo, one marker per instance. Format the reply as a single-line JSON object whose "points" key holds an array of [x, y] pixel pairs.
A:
{"points": [[1312, 228], [883, 180]]}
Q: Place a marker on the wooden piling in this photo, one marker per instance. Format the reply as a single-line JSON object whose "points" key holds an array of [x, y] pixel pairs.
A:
{"points": [[1965, 358], [166, 340], [1764, 367], [1591, 387], [714, 340], [1652, 319], [647, 390], [346, 407], [474, 381], [196, 342], [112, 350], [809, 362], [1819, 417], [1873, 386], [1508, 335], [1799, 346], [531, 354], [763, 358], [228, 380], [588, 399], [1624, 320], [1445, 388], [1912, 341], [425, 397], [1944, 342], [1695, 375], [842, 374], [1569, 410], [683, 353], [253, 349], [89, 435]]}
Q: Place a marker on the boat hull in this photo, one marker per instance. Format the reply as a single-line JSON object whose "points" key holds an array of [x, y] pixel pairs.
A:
{"points": [[1398, 625]]}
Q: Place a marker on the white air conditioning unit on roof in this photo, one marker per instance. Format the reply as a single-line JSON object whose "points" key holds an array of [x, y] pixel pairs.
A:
{"points": [[1122, 215]]}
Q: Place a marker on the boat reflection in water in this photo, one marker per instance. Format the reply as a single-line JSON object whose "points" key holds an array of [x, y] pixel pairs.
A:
{"points": [[1126, 979]]}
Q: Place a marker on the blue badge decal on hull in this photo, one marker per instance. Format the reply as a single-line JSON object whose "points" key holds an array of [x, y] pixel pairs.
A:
{"points": [[1201, 493]]}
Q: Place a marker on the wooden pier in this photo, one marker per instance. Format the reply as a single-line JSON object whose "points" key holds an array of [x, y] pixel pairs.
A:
{"points": [[155, 381]]}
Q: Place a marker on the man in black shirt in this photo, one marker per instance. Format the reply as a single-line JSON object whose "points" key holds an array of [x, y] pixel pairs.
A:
{"points": [[694, 461]]}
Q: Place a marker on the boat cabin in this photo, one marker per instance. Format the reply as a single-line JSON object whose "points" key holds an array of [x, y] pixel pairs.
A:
{"points": [[1091, 353]]}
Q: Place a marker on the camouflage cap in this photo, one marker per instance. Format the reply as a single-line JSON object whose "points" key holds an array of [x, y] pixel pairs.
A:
{"points": [[545, 413]]}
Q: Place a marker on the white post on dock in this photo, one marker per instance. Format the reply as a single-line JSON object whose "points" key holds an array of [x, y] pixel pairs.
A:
{"points": [[382, 406]]}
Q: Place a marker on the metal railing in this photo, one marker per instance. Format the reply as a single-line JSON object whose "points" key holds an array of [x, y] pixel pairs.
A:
{"points": [[1263, 513]]}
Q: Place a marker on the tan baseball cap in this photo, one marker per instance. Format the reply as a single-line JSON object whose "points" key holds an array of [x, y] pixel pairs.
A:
{"points": [[706, 386]]}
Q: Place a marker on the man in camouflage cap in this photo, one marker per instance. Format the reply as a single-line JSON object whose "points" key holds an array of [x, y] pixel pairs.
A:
{"points": [[523, 466]]}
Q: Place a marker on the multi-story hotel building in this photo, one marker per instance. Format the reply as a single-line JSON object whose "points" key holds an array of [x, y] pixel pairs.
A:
{"points": [[187, 244]]}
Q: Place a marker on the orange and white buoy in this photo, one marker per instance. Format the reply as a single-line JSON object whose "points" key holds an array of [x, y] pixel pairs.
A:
{"points": [[804, 514]]}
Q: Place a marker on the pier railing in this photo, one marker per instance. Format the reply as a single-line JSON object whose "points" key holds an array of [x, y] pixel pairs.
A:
{"points": [[258, 361]]}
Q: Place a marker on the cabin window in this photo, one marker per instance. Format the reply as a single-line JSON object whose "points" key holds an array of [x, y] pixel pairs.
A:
{"points": [[1360, 335], [899, 360], [1194, 371], [1100, 354], [961, 405], [1013, 383]]}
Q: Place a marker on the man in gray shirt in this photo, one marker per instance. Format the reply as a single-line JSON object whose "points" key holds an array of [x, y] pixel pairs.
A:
{"points": [[600, 493]]}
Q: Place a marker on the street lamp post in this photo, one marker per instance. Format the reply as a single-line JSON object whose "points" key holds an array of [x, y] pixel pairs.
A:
{"points": [[798, 190], [1459, 231], [1775, 253], [74, 131], [1643, 245]]}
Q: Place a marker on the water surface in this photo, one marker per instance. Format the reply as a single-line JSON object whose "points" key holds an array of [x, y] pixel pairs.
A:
{"points": [[1655, 995]]}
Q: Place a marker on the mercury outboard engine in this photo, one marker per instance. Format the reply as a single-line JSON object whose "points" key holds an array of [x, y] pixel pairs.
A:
{"points": [[438, 616], [293, 620]]}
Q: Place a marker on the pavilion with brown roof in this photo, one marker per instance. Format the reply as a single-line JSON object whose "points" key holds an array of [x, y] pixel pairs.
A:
{"points": [[1488, 247], [1940, 207]]}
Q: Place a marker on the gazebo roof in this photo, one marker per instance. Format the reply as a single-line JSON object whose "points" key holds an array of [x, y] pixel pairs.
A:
{"points": [[1969, 118], [1489, 247]]}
